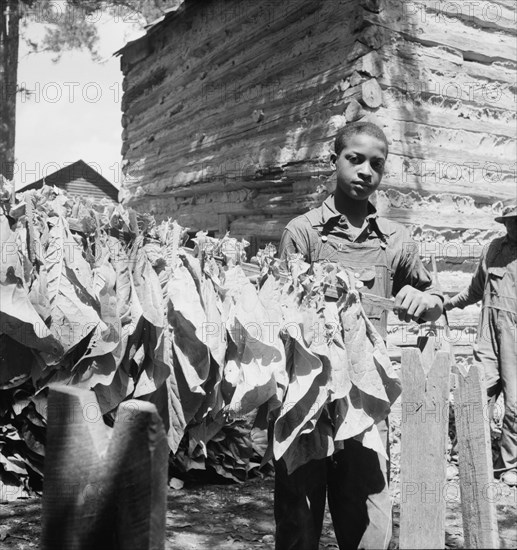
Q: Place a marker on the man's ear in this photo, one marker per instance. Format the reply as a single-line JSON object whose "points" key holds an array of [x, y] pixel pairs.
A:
{"points": [[333, 159]]}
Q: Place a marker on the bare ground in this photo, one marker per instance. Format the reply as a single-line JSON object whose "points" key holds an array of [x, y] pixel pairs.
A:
{"points": [[234, 517], [240, 516]]}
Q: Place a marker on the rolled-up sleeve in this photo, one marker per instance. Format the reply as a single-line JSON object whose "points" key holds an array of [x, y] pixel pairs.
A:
{"points": [[288, 245], [295, 239], [408, 266]]}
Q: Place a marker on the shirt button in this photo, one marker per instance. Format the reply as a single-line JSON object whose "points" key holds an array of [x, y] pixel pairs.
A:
{"points": [[324, 238], [357, 275], [359, 284]]}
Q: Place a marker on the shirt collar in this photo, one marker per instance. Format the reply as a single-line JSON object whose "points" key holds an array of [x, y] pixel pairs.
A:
{"points": [[329, 212]]}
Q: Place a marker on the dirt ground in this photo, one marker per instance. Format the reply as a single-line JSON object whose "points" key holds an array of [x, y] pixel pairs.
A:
{"points": [[234, 516]]}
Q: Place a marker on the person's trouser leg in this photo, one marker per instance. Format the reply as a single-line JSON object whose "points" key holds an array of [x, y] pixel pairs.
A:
{"points": [[486, 352], [358, 493], [507, 329], [299, 505]]}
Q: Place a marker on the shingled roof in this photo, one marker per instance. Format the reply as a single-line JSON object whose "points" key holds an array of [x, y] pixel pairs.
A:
{"points": [[80, 179]]}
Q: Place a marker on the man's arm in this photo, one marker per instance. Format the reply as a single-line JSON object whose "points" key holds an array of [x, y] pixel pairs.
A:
{"points": [[474, 291], [287, 245], [294, 241], [416, 299]]}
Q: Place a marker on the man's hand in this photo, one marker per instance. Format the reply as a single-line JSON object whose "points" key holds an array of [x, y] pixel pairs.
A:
{"points": [[447, 304], [413, 305]]}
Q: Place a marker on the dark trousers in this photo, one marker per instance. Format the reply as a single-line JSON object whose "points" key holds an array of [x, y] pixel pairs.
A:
{"points": [[496, 350], [359, 501]]}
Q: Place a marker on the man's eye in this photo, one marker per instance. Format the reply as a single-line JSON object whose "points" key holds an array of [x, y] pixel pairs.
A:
{"points": [[379, 165], [353, 159]]}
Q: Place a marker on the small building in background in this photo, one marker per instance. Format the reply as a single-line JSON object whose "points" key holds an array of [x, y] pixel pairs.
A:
{"points": [[78, 179]]}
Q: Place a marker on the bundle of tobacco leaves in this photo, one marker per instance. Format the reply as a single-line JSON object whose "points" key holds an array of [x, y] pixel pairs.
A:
{"points": [[101, 297]]}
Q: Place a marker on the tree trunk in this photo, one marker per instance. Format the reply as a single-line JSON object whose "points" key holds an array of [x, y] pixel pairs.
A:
{"points": [[9, 39]]}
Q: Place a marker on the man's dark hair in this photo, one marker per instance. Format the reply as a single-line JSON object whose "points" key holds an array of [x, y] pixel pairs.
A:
{"points": [[355, 128]]}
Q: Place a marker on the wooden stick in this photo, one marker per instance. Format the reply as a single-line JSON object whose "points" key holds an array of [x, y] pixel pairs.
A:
{"points": [[425, 415], [252, 271], [475, 459]]}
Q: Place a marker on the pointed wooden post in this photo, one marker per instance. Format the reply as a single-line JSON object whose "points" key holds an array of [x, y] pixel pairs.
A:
{"points": [[475, 459], [138, 457], [425, 416], [74, 474], [100, 494]]}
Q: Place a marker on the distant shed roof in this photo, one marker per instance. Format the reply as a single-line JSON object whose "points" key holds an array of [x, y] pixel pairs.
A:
{"points": [[80, 179]]}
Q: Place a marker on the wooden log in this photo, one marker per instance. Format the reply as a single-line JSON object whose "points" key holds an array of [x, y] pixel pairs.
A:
{"points": [[371, 93], [373, 36], [475, 459], [138, 462], [371, 64], [372, 5], [354, 111], [465, 38], [425, 416]]}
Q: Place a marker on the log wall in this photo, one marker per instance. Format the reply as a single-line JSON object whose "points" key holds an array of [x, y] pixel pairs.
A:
{"points": [[231, 106]]}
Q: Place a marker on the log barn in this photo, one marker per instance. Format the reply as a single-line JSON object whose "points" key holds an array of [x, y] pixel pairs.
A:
{"points": [[230, 108]]}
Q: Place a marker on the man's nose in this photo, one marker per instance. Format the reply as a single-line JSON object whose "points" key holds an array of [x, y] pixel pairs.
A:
{"points": [[365, 170]]}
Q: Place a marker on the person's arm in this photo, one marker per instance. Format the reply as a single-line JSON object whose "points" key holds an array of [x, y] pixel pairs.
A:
{"points": [[474, 291], [416, 299], [288, 245], [294, 241], [412, 304]]}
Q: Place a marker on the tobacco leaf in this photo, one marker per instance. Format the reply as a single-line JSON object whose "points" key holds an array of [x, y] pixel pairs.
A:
{"points": [[258, 356], [305, 398], [363, 369], [187, 321], [314, 445], [74, 310]]}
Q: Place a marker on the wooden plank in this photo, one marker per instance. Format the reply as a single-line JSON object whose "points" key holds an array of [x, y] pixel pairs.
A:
{"points": [[138, 464], [100, 494], [425, 416], [475, 459], [74, 474]]}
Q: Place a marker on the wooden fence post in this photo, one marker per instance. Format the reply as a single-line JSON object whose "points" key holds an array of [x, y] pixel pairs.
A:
{"points": [[138, 458], [100, 494], [475, 459], [425, 416], [74, 473]]}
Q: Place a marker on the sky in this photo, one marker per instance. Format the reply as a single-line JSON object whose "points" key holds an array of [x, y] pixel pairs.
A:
{"points": [[73, 110]]}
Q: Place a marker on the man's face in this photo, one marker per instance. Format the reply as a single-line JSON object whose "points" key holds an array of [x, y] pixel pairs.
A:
{"points": [[511, 228], [360, 166]]}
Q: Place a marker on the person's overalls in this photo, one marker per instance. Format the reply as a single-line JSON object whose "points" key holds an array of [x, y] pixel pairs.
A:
{"points": [[356, 477], [496, 343]]}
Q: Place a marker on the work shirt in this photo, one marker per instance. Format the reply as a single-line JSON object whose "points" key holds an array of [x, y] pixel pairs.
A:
{"points": [[495, 279], [306, 233]]}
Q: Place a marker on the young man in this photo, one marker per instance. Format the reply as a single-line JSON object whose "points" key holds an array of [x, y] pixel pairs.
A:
{"points": [[495, 283], [347, 229]]}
